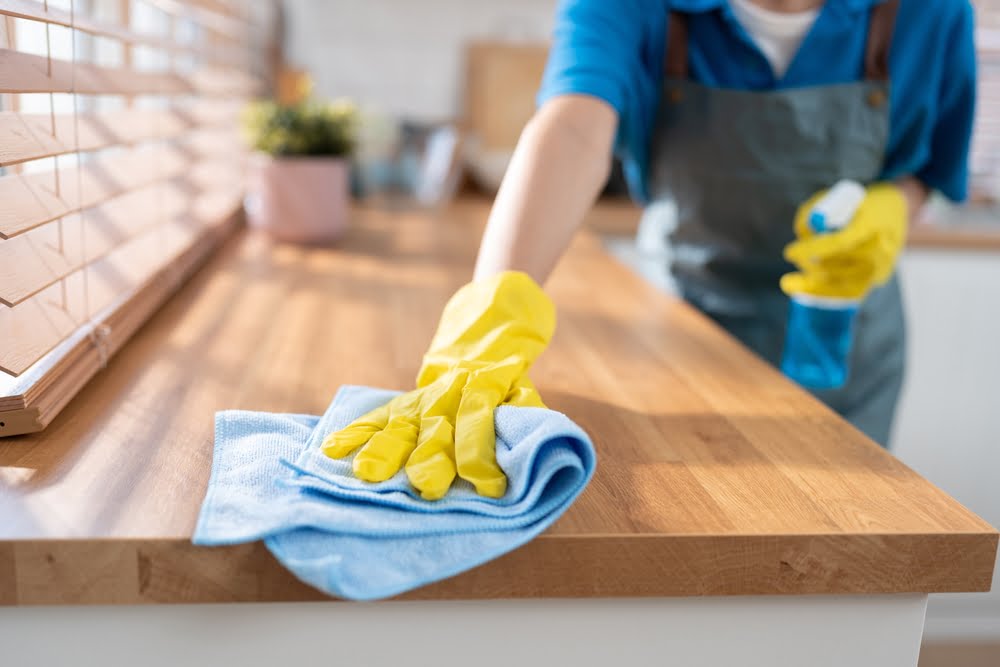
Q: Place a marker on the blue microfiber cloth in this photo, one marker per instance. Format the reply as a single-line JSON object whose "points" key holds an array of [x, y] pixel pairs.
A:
{"points": [[364, 541]]}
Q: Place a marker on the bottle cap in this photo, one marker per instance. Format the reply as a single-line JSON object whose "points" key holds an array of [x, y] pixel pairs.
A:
{"points": [[837, 207]]}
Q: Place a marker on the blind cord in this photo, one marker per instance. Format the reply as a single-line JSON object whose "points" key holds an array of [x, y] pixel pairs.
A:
{"points": [[52, 128], [98, 333]]}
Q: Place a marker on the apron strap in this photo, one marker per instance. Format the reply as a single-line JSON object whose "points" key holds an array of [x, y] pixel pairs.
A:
{"points": [[880, 27], [881, 23], [675, 60]]}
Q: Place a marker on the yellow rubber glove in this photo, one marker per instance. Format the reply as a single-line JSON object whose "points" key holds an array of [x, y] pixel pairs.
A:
{"points": [[490, 333], [848, 263]]}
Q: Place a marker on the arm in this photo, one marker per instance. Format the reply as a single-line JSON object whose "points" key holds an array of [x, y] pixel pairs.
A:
{"points": [[561, 163], [915, 194], [492, 329]]}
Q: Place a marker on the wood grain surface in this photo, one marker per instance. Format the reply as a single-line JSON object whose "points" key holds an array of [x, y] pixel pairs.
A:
{"points": [[716, 475], [977, 230]]}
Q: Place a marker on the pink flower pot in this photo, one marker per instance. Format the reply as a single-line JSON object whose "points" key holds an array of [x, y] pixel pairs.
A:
{"points": [[299, 199]]}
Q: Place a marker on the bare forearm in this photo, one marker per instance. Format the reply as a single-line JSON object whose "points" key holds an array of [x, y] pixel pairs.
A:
{"points": [[558, 169], [915, 193]]}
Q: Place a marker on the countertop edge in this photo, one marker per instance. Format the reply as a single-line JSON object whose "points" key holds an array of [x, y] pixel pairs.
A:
{"points": [[172, 571]]}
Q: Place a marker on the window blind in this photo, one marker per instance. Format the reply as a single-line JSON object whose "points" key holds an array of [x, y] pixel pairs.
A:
{"points": [[984, 159], [120, 169]]}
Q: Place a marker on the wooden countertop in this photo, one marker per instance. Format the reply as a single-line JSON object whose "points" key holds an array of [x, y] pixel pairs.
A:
{"points": [[976, 228], [963, 236], [716, 475], [974, 225]]}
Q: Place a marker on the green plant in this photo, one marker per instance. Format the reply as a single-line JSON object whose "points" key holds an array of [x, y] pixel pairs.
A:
{"points": [[307, 128]]}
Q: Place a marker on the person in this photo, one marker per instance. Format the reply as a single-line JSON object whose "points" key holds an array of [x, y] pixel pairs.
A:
{"points": [[741, 112]]}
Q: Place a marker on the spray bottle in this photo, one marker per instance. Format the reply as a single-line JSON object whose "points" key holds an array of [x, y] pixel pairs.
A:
{"points": [[821, 329]]}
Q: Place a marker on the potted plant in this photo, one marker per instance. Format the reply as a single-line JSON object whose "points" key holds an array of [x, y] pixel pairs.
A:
{"points": [[300, 184]]}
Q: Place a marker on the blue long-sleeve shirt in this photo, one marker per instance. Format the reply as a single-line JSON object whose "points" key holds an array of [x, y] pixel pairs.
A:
{"points": [[613, 50]]}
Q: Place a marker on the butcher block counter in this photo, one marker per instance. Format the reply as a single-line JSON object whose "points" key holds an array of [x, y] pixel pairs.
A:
{"points": [[716, 476]]}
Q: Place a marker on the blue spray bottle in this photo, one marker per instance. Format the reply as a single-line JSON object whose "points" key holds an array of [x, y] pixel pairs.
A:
{"points": [[821, 329]]}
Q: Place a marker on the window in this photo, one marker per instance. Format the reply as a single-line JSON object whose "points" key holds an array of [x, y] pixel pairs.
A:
{"points": [[121, 164], [984, 161]]}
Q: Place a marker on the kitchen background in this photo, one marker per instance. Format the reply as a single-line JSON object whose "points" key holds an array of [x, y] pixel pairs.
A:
{"points": [[446, 86]]}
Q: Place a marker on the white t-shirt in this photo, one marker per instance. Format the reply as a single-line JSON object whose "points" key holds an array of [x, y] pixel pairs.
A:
{"points": [[777, 34]]}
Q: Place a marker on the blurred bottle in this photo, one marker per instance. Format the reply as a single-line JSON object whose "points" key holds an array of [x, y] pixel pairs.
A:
{"points": [[821, 329]]}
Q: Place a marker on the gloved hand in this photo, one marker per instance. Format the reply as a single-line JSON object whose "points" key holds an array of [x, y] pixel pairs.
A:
{"points": [[849, 262], [490, 333]]}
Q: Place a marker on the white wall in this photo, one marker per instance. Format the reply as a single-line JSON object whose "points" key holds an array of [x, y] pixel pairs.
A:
{"points": [[948, 426], [403, 57]]}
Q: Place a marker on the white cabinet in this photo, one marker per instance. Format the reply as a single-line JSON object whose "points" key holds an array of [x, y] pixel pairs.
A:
{"points": [[948, 424]]}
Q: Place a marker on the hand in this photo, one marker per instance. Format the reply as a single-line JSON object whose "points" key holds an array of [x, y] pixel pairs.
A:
{"points": [[848, 263], [490, 333]]}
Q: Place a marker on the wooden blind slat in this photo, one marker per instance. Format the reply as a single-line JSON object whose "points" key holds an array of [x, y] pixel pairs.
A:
{"points": [[47, 254], [221, 81], [220, 24], [31, 262], [26, 73], [226, 7], [37, 325], [25, 137], [37, 11], [28, 201]]}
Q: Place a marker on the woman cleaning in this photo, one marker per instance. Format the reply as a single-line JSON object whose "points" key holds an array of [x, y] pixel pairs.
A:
{"points": [[741, 112]]}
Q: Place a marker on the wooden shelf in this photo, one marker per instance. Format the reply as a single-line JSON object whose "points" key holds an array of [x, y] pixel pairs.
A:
{"points": [[716, 475]]}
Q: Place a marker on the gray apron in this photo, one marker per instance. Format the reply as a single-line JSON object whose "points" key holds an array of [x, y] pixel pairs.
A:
{"points": [[737, 164]]}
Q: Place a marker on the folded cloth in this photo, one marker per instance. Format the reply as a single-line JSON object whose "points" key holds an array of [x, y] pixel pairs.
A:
{"points": [[363, 541]]}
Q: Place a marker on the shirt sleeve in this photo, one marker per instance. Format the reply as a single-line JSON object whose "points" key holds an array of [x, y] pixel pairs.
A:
{"points": [[596, 50], [947, 169], [601, 48]]}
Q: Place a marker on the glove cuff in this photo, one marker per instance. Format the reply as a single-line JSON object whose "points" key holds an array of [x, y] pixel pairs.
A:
{"points": [[506, 317]]}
